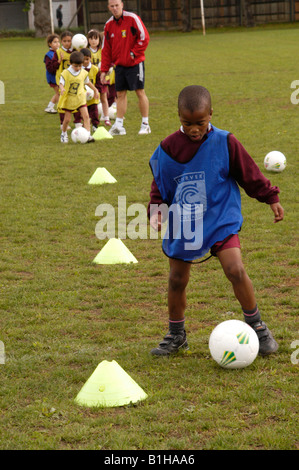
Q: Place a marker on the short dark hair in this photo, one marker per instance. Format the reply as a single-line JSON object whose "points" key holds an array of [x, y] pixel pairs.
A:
{"points": [[194, 97], [65, 34], [86, 52], [51, 37], [76, 57]]}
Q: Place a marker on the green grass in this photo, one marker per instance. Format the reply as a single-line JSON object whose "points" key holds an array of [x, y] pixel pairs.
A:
{"points": [[61, 315]]}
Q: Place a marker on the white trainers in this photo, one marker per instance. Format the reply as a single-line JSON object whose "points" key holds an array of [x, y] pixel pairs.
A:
{"points": [[115, 130], [64, 138], [50, 110], [144, 129]]}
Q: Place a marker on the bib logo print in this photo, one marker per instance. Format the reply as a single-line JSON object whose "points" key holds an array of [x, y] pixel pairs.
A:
{"points": [[191, 195], [185, 216]]}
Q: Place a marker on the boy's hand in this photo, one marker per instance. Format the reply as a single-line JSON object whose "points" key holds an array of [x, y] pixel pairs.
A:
{"points": [[278, 211], [96, 94], [156, 221], [103, 78]]}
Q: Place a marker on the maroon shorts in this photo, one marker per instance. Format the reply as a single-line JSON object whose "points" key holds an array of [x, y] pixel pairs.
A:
{"points": [[53, 85], [232, 241], [103, 89], [74, 111]]}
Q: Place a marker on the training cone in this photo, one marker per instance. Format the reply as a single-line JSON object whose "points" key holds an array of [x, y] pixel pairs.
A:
{"points": [[101, 176], [114, 252], [101, 133], [109, 386]]}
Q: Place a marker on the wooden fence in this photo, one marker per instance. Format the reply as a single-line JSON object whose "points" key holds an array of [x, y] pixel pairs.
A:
{"points": [[186, 14]]}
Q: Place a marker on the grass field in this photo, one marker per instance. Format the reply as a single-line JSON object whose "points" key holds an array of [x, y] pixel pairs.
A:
{"points": [[61, 314]]}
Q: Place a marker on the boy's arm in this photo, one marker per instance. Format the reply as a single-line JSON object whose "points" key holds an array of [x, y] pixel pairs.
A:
{"points": [[61, 84], [248, 175], [51, 65], [157, 215], [91, 85]]}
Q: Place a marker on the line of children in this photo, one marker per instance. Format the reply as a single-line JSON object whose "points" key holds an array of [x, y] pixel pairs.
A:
{"points": [[95, 77], [73, 94], [57, 60], [53, 42], [108, 93]]}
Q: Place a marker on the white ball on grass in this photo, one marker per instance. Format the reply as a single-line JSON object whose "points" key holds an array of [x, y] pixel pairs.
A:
{"points": [[275, 161], [80, 135]]}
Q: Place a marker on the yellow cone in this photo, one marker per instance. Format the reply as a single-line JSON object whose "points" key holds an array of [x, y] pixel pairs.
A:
{"points": [[110, 386], [114, 252], [101, 133], [101, 176]]}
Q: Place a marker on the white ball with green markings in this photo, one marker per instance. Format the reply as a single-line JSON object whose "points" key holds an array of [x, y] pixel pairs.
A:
{"points": [[233, 344], [275, 161]]}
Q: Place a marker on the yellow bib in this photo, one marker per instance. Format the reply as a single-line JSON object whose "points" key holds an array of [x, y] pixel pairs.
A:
{"points": [[96, 57], [92, 75], [75, 94], [64, 64]]}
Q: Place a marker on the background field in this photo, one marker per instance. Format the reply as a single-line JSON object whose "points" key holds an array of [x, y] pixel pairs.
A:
{"points": [[61, 315]]}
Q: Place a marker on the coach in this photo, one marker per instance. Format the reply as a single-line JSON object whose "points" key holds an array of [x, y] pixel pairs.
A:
{"points": [[124, 44]]}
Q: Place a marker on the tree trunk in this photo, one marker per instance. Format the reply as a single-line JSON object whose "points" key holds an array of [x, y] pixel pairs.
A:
{"points": [[249, 19], [185, 10], [42, 21]]}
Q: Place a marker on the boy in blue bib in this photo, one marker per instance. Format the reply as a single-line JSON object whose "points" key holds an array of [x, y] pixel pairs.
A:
{"points": [[197, 173]]}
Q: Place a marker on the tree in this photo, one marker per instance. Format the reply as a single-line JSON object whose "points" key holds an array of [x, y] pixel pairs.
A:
{"points": [[42, 18], [249, 19], [186, 15]]}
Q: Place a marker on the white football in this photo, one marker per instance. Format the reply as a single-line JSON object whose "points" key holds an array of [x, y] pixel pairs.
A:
{"points": [[79, 41], [233, 344], [112, 111], [275, 161], [80, 135], [89, 93]]}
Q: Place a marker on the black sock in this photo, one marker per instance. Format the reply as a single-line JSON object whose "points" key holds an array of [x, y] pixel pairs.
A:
{"points": [[252, 316], [177, 327]]}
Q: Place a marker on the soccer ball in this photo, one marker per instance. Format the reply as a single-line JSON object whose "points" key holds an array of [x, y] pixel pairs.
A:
{"points": [[275, 161], [79, 41], [233, 344], [112, 111], [89, 93], [80, 134]]}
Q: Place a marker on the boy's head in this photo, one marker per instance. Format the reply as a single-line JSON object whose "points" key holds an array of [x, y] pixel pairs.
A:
{"points": [[66, 39], [86, 56], [195, 111], [53, 41], [76, 60]]}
